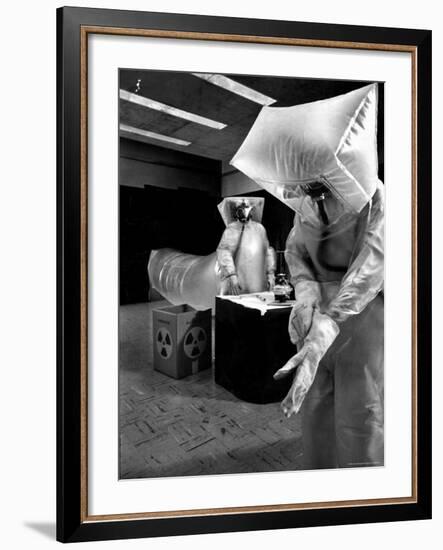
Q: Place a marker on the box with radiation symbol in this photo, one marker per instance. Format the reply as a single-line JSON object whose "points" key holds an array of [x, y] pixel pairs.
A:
{"points": [[181, 340]]}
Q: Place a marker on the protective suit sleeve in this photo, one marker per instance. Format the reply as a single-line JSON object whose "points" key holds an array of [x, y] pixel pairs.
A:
{"points": [[270, 260], [365, 276], [306, 288], [226, 250]]}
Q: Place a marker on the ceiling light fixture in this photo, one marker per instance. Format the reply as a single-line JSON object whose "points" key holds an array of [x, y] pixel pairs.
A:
{"points": [[153, 135], [236, 88], [162, 107]]}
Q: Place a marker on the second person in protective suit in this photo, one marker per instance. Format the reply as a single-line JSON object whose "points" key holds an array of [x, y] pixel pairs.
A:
{"points": [[245, 260]]}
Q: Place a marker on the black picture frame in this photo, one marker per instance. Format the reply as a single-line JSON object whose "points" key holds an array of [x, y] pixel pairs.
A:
{"points": [[72, 522]]}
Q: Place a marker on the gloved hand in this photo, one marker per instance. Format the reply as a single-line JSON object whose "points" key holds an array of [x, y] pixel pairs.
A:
{"points": [[307, 294], [271, 280], [300, 322], [322, 333], [231, 286]]}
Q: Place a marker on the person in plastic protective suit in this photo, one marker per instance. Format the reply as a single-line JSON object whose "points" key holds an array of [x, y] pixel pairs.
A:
{"points": [[321, 160], [245, 260]]}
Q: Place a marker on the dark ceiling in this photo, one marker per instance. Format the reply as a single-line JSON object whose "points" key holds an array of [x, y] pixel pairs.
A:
{"points": [[189, 93]]}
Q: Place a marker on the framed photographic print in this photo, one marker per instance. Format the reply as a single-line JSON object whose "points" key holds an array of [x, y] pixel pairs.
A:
{"points": [[244, 270]]}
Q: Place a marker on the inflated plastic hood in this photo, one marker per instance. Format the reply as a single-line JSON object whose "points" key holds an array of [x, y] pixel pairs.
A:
{"points": [[332, 140]]}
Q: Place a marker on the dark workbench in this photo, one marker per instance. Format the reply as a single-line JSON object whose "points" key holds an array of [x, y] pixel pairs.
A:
{"points": [[249, 349]]}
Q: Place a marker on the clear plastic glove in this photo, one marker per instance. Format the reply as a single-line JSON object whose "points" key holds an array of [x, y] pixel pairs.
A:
{"points": [[300, 322], [231, 286], [308, 296], [321, 335], [271, 281]]}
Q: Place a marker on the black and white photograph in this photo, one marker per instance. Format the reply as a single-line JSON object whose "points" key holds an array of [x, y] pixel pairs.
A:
{"points": [[217, 275], [251, 274]]}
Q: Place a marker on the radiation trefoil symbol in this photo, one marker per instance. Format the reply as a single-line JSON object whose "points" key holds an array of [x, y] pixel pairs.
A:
{"points": [[164, 343], [195, 342]]}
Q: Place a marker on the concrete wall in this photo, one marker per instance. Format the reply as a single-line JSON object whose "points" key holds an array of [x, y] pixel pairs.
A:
{"points": [[137, 173], [236, 183], [142, 164], [167, 199]]}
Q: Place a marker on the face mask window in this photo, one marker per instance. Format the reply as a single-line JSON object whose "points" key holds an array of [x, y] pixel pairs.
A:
{"points": [[318, 192], [243, 212]]}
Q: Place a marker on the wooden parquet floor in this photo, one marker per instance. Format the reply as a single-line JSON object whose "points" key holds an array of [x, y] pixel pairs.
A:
{"points": [[191, 426]]}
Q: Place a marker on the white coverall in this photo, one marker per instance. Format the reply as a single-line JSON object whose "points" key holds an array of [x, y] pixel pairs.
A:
{"points": [[342, 414], [244, 254], [335, 256]]}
